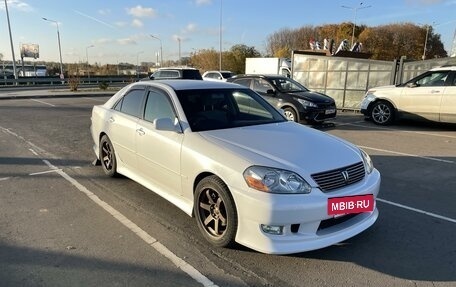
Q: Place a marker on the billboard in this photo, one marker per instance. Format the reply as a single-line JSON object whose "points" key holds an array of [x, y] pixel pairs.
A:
{"points": [[30, 51]]}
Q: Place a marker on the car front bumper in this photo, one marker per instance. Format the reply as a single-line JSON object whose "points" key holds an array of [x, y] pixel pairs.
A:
{"points": [[304, 220]]}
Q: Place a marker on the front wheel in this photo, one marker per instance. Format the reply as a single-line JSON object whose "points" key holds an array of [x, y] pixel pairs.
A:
{"points": [[215, 212], [290, 114], [382, 113]]}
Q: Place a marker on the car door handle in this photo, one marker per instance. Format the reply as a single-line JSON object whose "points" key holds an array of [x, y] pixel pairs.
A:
{"points": [[435, 91], [111, 120], [140, 132]]}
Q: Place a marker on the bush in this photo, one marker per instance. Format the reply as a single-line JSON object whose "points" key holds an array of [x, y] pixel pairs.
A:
{"points": [[73, 82], [103, 85]]}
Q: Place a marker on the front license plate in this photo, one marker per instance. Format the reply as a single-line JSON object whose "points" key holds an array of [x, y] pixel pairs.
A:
{"points": [[351, 204], [330, 111]]}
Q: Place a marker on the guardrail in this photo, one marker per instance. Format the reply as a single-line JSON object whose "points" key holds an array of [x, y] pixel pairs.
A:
{"points": [[55, 80]]}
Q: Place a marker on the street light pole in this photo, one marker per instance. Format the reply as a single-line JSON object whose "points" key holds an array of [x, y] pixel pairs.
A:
{"points": [[220, 56], [137, 64], [179, 40], [354, 18], [87, 61], [60, 48], [11, 41], [161, 49], [426, 39]]}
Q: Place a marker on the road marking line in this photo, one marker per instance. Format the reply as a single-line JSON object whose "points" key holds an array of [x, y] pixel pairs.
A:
{"points": [[43, 102], [417, 210], [402, 131], [180, 263], [97, 100], [44, 172], [4, 178], [408, 154]]}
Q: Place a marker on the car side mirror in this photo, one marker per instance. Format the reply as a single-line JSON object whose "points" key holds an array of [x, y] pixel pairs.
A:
{"points": [[412, 85], [270, 92], [151, 77], [166, 124]]}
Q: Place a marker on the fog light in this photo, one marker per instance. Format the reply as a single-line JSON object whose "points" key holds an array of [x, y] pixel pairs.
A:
{"points": [[272, 229]]}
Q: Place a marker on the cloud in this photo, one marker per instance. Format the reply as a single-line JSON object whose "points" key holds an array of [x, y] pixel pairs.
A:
{"points": [[103, 41], [17, 4], [203, 2], [191, 27], [126, 41], [141, 12], [121, 24], [104, 11], [137, 23]]}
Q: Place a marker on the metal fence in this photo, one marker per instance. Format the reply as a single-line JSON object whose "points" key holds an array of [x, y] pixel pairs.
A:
{"points": [[347, 79]]}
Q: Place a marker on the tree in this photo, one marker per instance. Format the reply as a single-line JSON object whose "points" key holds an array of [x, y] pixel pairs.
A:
{"points": [[233, 60], [386, 42]]}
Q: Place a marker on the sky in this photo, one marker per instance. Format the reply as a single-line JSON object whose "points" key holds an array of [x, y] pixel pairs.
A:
{"points": [[116, 31]]}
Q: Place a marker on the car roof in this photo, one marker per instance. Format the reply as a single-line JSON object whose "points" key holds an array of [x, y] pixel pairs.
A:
{"points": [[176, 68], [272, 76], [214, 71], [189, 84]]}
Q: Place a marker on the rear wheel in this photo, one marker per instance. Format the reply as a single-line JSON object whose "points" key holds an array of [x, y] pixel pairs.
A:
{"points": [[215, 212], [108, 156], [382, 113]]}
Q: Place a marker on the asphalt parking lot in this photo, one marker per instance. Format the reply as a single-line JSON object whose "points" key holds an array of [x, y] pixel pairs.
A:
{"points": [[53, 232]]}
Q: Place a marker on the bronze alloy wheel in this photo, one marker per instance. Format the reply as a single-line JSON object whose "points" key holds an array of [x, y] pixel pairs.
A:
{"points": [[215, 212]]}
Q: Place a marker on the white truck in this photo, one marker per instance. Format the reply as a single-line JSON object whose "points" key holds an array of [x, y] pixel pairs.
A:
{"points": [[269, 66]]}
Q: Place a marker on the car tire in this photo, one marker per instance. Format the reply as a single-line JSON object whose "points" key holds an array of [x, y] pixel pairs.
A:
{"points": [[290, 114], [382, 113], [215, 212], [108, 157]]}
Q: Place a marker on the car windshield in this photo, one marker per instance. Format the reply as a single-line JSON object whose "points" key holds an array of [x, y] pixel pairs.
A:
{"points": [[212, 109], [286, 85]]}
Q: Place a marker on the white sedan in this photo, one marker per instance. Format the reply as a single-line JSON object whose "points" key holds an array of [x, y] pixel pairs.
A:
{"points": [[222, 154]]}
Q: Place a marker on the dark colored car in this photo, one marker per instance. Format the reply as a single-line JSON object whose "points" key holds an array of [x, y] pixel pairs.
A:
{"points": [[176, 73], [299, 103]]}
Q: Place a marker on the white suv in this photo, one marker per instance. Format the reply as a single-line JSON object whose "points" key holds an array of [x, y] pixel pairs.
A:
{"points": [[430, 96]]}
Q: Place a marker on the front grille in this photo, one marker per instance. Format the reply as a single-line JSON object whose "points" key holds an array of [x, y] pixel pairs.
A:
{"points": [[337, 178]]}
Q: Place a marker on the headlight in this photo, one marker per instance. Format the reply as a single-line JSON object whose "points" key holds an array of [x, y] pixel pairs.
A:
{"points": [[275, 180], [368, 164], [307, 104]]}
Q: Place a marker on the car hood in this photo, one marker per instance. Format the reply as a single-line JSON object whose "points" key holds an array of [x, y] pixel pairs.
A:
{"points": [[386, 90], [286, 145], [314, 97]]}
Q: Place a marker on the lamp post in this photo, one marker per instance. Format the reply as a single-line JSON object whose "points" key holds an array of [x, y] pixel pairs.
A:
{"points": [[87, 61], [426, 40], [179, 40], [137, 64], [11, 41], [161, 49], [220, 54], [60, 48], [354, 18]]}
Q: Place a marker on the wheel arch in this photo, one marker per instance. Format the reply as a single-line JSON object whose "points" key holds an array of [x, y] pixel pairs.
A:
{"points": [[204, 175], [291, 106]]}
